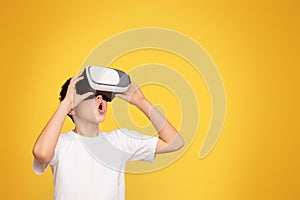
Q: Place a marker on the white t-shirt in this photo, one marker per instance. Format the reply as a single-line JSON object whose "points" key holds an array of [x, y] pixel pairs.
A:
{"points": [[86, 168]]}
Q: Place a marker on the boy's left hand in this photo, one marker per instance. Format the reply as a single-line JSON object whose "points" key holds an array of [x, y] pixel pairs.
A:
{"points": [[133, 95]]}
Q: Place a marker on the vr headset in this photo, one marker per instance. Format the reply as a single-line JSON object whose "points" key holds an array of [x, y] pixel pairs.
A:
{"points": [[104, 81]]}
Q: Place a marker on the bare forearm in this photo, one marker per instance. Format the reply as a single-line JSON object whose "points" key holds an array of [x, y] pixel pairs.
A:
{"points": [[164, 128], [45, 144], [169, 139]]}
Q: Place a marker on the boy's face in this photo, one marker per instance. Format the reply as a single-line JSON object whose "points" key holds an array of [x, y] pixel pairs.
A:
{"points": [[91, 110]]}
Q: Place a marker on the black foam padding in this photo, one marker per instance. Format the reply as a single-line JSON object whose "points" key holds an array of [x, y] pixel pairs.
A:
{"points": [[124, 78], [83, 85]]}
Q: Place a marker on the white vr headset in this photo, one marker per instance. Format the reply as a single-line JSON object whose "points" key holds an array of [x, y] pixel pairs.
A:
{"points": [[104, 81]]}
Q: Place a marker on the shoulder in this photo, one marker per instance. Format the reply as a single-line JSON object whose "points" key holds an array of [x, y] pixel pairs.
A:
{"points": [[67, 137]]}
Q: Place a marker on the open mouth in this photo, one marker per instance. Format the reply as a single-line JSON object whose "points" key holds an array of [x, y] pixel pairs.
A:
{"points": [[101, 108]]}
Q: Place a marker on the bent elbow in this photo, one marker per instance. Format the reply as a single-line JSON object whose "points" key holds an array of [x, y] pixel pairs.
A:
{"points": [[177, 143], [180, 143], [41, 156]]}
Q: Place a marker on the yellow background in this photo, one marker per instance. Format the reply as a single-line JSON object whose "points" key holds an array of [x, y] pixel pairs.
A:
{"points": [[255, 45]]}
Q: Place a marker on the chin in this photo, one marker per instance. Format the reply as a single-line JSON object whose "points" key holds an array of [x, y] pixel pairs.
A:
{"points": [[100, 118], [100, 121]]}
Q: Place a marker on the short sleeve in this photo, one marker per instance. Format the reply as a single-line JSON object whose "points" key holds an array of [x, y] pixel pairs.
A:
{"points": [[39, 168], [140, 147]]}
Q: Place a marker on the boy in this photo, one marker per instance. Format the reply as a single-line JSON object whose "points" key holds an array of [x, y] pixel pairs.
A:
{"points": [[76, 173]]}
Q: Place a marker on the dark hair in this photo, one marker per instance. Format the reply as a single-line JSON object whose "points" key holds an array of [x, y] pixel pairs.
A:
{"points": [[63, 93]]}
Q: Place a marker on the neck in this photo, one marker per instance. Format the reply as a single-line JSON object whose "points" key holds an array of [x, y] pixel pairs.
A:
{"points": [[87, 129]]}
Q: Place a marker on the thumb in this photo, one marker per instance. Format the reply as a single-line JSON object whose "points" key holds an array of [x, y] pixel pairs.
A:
{"points": [[87, 95], [122, 96]]}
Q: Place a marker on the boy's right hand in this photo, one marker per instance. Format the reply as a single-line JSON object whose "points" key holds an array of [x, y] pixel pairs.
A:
{"points": [[72, 99]]}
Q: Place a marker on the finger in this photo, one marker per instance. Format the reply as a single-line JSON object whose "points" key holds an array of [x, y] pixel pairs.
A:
{"points": [[124, 93], [79, 74], [118, 95], [74, 81], [78, 79], [132, 88], [122, 96], [133, 84], [75, 77], [87, 95]]}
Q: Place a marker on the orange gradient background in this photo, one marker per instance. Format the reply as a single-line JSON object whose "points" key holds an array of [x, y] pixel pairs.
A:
{"points": [[255, 45]]}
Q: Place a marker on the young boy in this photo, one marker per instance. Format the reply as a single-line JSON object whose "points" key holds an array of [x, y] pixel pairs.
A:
{"points": [[77, 174]]}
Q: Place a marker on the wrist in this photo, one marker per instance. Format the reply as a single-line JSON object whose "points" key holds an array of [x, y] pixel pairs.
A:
{"points": [[65, 106], [143, 104]]}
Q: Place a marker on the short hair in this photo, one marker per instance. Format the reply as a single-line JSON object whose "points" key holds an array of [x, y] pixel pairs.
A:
{"points": [[63, 92]]}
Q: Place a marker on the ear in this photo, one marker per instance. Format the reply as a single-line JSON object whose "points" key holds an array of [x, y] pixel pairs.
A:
{"points": [[71, 112]]}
